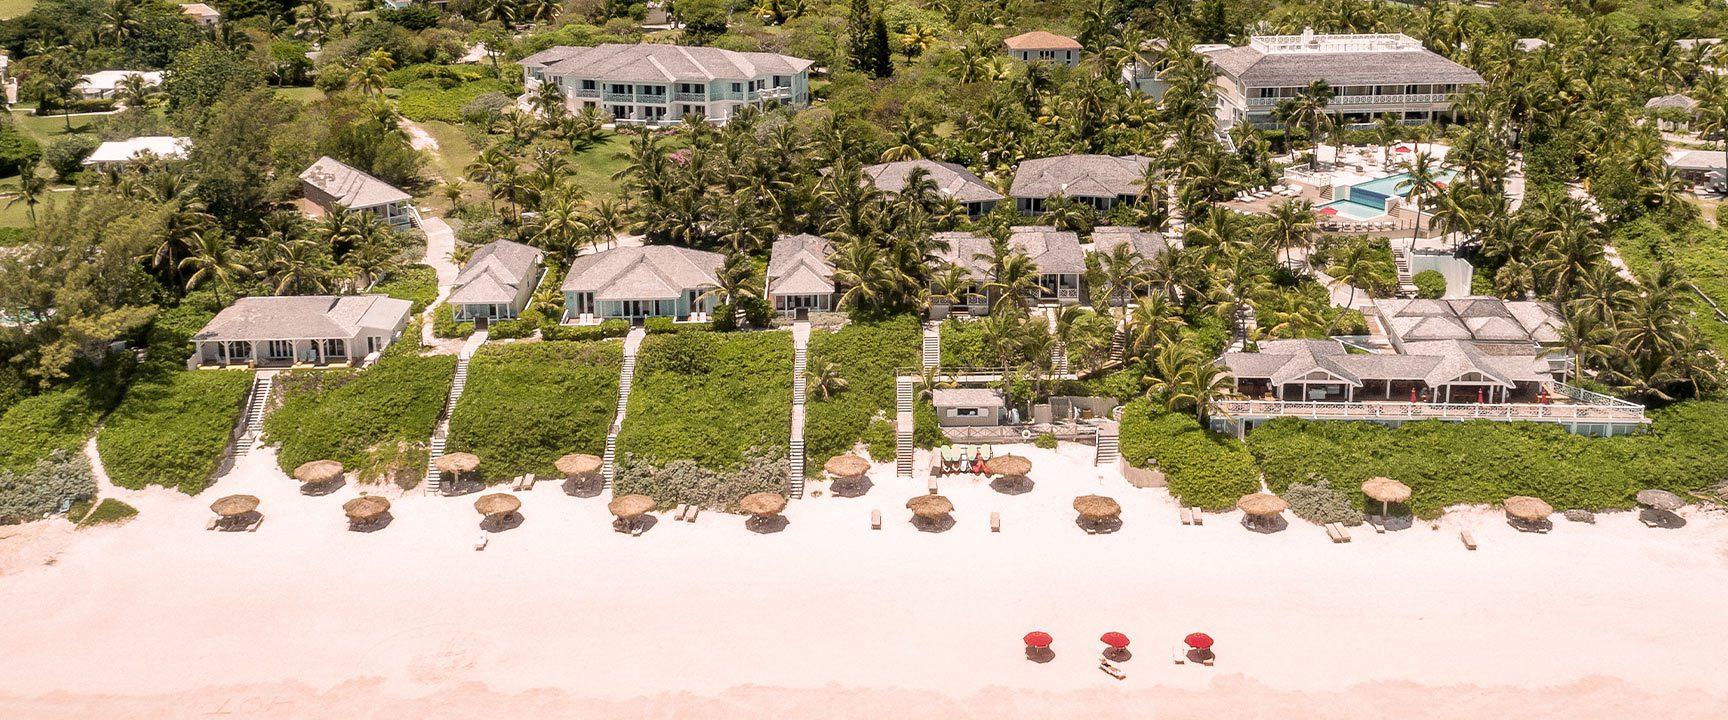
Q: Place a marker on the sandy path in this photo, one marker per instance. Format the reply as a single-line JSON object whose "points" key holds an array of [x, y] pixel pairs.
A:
{"points": [[562, 612]]}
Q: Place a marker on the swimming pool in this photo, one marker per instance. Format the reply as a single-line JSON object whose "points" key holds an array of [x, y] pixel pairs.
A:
{"points": [[1376, 191], [1351, 210]]}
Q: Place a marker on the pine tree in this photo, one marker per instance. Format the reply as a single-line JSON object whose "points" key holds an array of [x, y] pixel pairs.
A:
{"points": [[881, 58], [858, 36]]}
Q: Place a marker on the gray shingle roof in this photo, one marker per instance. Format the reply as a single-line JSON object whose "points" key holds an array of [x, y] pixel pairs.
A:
{"points": [[798, 265], [653, 62], [1052, 251], [351, 187], [1412, 66], [1148, 243], [1103, 176], [304, 317], [966, 397], [653, 272], [1696, 160], [496, 272], [951, 180], [1477, 319], [1676, 101]]}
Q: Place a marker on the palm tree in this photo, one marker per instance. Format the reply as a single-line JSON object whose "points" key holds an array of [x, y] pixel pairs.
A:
{"points": [[1291, 225], [867, 275], [910, 142], [371, 71], [1387, 129], [823, 379], [211, 257], [1182, 377], [1308, 109], [1424, 174], [135, 91], [31, 189], [1154, 323], [1359, 265]]}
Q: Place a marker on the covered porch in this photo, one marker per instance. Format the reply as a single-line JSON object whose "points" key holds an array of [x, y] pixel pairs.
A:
{"points": [[1059, 288], [790, 304], [306, 352]]}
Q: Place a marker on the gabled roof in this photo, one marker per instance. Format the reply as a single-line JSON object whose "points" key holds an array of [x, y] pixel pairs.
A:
{"points": [[1676, 101], [1052, 251], [951, 180], [1147, 243], [1695, 160], [1079, 176], [1391, 62], [1433, 363], [966, 397], [654, 62], [126, 150], [199, 10], [496, 273], [304, 317], [1041, 40], [1477, 319], [351, 187], [799, 265], [652, 272]]}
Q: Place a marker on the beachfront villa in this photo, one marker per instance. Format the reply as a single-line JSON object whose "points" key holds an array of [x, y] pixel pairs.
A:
{"points": [[1148, 244], [103, 84], [295, 330], [1473, 358], [118, 153], [635, 283], [1055, 253], [1102, 181], [800, 276], [951, 180], [655, 84], [1370, 75], [497, 282], [969, 407], [1045, 47], [331, 182], [1698, 166]]}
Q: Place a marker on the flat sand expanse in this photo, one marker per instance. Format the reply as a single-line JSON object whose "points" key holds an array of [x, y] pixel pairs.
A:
{"points": [[562, 617]]}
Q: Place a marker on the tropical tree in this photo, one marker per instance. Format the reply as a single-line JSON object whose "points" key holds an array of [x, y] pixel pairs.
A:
{"points": [[211, 257], [823, 379], [1307, 109]]}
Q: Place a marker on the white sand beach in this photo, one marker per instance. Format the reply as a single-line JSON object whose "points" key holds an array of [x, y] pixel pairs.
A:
{"points": [[562, 617]]}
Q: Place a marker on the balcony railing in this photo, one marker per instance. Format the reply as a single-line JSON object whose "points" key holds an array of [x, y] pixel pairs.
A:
{"points": [[1591, 397], [1533, 412], [690, 97], [585, 92], [774, 93], [651, 98], [1354, 100], [618, 97]]}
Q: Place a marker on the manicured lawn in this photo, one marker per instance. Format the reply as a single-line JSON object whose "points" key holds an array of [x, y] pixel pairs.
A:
{"points": [[13, 8], [45, 129], [593, 169], [528, 404], [710, 397], [172, 428], [376, 421]]}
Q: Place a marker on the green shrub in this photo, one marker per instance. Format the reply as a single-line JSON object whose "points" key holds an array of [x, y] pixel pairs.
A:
{"points": [[361, 419], [709, 397], [866, 356], [444, 324], [685, 482], [36, 426], [17, 151], [171, 331], [109, 511], [172, 428], [551, 330], [59, 476], [65, 156], [429, 100], [1430, 284], [1203, 468], [1045, 441], [515, 328], [417, 284], [1320, 503], [526, 405], [963, 344], [659, 325]]}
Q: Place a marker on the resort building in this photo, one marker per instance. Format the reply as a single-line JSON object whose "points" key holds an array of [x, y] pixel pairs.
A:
{"points": [[1698, 166], [800, 275], [969, 407], [655, 84], [103, 84], [951, 180], [116, 153], [1370, 76], [331, 182], [1045, 47], [288, 330], [1056, 254], [1102, 181], [201, 14], [634, 283], [497, 282], [1464, 359], [1148, 244]]}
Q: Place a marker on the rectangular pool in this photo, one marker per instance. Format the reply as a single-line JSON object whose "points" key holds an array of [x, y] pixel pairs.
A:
{"points": [[1352, 210]]}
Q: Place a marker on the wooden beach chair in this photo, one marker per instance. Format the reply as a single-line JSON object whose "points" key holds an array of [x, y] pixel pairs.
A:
{"points": [[691, 515], [528, 481], [1337, 532], [1378, 523], [1199, 517], [1110, 669], [875, 519], [1468, 539], [481, 543], [678, 514], [1186, 515], [995, 522]]}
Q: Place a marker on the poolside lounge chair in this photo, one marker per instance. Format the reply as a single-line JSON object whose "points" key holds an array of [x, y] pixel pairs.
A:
{"points": [[1110, 669], [995, 522], [875, 519]]}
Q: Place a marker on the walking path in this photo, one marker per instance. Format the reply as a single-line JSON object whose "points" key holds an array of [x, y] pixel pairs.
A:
{"points": [[418, 138], [626, 378], [795, 454], [440, 244]]}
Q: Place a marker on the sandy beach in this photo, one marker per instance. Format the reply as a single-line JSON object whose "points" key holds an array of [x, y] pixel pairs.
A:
{"points": [[561, 616]]}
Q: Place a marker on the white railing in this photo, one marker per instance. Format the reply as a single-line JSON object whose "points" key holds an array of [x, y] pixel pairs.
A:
{"points": [[1591, 397], [1534, 412], [1420, 98]]}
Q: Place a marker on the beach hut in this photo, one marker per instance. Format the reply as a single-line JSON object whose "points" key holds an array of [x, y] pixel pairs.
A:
{"points": [[1260, 511], [234, 510], [629, 509], [1387, 491], [1097, 511], [365, 510], [931, 512], [498, 508], [578, 465], [1528, 514], [318, 476], [458, 463]]}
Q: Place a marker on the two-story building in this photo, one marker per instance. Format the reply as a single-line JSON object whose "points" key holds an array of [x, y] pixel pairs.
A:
{"points": [[655, 84], [1370, 76]]}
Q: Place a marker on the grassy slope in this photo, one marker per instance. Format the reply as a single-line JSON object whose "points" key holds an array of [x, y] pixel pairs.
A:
{"points": [[528, 404], [355, 418], [866, 356], [742, 400], [1701, 252], [171, 428], [13, 8]]}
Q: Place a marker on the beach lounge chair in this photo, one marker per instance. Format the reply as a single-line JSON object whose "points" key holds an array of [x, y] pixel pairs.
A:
{"points": [[528, 481], [1186, 515], [691, 515], [255, 523], [875, 519], [481, 543], [995, 522], [1179, 654], [1111, 670], [636, 529], [1199, 517], [212, 524], [932, 484], [680, 512], [1378, 523], [1469, 540], [1337, 532]]}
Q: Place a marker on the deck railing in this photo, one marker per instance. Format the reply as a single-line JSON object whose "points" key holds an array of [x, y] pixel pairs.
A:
{"points": [[1591, 397], [1406, 99], [1619, 413]]}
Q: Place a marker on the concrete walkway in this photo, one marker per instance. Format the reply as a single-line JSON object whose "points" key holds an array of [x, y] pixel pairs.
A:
{"points": [[440, 243]]}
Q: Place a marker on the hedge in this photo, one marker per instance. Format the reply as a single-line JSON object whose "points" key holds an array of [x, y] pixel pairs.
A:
{"points": [[709, 397], [417, 284], [1203, 468], [606, 329], [866, 356], [36, 426], [375, 420], [445, 325], [1430, 284], [526, 405], [428, 100], [172, 428], [1448, 463]]}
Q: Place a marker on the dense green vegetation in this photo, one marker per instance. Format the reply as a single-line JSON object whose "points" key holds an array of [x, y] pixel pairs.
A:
{"points": [[710, 398], [415, 283], [375, 421], [171, 430], [862, 358], [1699, 252], [526, 405], [1203, 468], [62, 476], [107, 512], [37, 426]]}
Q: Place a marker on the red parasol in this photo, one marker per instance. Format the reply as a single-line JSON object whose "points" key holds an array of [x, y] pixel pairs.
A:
{"points": [[1038, 639], [1400, 148], [1328, 211], [1412, 394], [1440, 184], [1479, 397], [1198, 641], [1115, 639]]}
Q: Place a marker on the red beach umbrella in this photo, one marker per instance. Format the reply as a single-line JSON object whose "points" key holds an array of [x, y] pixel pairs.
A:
{"points": [[1038, 639], [1198, 641], [1401, 148], [1115, 639], [1328, 211]]}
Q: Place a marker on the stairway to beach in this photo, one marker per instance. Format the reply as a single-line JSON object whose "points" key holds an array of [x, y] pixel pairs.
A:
{"points": [[800, 387], [932, 350], [903, 398], [626, 378], [257, 400], [1058, 349], [1406, 281], [1109, 447], [441, 433]]}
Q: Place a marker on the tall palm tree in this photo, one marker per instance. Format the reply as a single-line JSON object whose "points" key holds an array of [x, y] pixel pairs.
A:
{"points": [[211, 257], [31, 189], [1183, 378], [1424, 173], [1290, 226], [370, 72], [1308, 110]]}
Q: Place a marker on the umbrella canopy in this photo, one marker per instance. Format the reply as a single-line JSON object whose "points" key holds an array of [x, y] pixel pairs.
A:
{"points": [[458, 462], [1660, 500], [234, 505], [630, 506], [930, 506], [1096, 507], [1200, 641], [1115, 639], [366, 507], [318, 472], [1008, 465], [578, 464], [763, 503], [1038, 639], [1262, 504], [847, 465], [1328, 211], [1521, 507], [497, 504], [1386, 490]]}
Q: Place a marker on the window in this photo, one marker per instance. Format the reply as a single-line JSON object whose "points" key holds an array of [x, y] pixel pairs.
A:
{"points": [[966, 412], [372, 344], [620, 89], [279, 349], [737, 87], [589, 85], [335, 348]]}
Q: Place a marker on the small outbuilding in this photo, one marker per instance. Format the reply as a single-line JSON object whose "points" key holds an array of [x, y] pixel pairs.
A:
{"points": [[969, 407]]}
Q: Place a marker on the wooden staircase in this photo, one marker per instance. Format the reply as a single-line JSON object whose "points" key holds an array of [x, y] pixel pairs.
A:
{"points": [[257, 401], [1108, 448], [932, 355], [800, 386], [903, 426], [1118, 345], [441, 434], [626, 378]]}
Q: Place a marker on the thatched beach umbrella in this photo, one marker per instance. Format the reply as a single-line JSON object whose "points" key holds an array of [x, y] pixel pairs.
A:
{"points": [[495, 504], [458, 463], [366, 508], [630, 507], [930, 507], [1660, 500], [234, 505], [577, 465], [763, 504], [1262, 505], [1097, 508], [1386, 490], [846, 466], [1011, 465], [318, 472], [1527, 509]]}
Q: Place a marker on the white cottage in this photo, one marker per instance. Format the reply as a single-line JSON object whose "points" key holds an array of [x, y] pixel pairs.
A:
{"points": [[288, 330]]}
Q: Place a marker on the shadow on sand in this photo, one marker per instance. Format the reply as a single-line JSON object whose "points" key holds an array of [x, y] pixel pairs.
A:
{"points": [[766, 525], [933, 525], [584, 487], [500, 523], [1012, 485]]}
